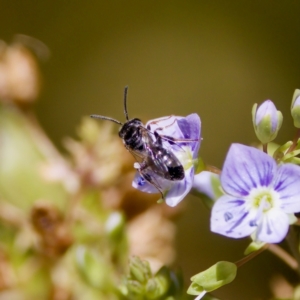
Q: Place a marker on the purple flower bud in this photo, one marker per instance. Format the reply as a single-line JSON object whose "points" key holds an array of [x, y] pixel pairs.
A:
{"points": [[267, 121]]}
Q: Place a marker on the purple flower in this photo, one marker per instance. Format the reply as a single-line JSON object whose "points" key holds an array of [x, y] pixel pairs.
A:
{"points": [[259, 196], [185, 131], [267, 121]]}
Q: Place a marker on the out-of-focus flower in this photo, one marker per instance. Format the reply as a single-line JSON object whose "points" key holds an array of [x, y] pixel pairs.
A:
{"points": [[259, 196], [141, 283], [60, 170], [267, 121], [295, 108], [19, 74], [185, 144], [281, 288], [53, 231], [99, 158], [151, 236]]}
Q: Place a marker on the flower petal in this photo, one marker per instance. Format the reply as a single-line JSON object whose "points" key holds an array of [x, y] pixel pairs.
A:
{"points": [[190, 127], [231, 218], [179, 128], [166, 126], [246, 168], [287, 184], [203, 184], [274, 226], [180, 188], [267, 108]]}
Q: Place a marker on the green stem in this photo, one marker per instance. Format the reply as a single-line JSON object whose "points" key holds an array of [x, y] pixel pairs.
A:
{"points": [[247, 258], [276, 250]]}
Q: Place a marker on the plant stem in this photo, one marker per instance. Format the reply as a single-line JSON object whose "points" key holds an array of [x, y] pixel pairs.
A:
{"points": [[276, 250], [292, 239], [265, 147], [284, 256], [247, 258], [295, 141], [213, 169]]}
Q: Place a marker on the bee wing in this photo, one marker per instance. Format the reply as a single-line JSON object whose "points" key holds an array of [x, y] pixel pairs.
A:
{"points": [[146, 152], [140, 183]]}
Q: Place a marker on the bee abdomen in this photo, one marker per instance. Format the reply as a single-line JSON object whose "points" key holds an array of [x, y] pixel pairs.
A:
{"points": [[176, 172]]}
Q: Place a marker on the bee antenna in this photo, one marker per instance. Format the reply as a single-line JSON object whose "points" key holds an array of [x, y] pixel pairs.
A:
{"points": [[125, 102], [106, 118]]}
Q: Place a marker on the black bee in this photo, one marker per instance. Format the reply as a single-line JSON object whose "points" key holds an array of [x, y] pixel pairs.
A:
{"points": [[147, 147]]}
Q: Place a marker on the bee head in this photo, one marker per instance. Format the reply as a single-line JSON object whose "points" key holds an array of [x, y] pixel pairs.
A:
{"points": [[130, 130]]}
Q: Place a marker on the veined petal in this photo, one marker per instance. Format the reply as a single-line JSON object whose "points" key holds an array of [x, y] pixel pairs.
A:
{"points": [[273, 227], [287, 184], [246, 168], [190, 127], [180, 188], [266, 109], [230, 217], [166, 126], [180, 128]]}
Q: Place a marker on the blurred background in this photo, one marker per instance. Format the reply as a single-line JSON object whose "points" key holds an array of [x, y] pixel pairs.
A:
{"points": [[215, 58]]}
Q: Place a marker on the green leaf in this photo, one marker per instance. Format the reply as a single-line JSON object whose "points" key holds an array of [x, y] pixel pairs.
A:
{"points": [[223, 272]]}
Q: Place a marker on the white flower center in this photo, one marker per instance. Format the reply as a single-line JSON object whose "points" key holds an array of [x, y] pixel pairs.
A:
{"points": [[263, 199], [185, 156]]}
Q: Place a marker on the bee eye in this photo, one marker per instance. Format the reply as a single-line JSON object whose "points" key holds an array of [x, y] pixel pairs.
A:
{"points": [[130, 132]]}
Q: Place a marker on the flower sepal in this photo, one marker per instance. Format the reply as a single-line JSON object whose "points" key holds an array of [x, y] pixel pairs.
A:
{"points": [[199, 165], [295, 108], [292, 219], [291, 156], [280, 152], [254, 246], [221, 273]]}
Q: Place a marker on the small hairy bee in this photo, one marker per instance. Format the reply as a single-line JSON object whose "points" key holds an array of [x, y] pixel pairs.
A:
{"points": [[154, 159]]}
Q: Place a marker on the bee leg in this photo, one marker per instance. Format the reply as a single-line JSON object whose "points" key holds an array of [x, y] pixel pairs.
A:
{"points": [[162, 119], [171, 140], [149, 178], [158, 138]]}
